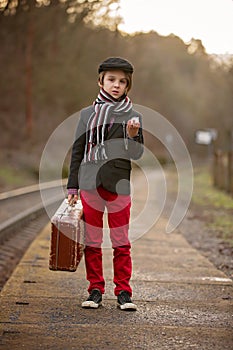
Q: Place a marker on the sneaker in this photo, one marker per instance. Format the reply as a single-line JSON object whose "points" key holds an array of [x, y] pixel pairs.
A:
{"points": [[94, 300], [124, 302]]}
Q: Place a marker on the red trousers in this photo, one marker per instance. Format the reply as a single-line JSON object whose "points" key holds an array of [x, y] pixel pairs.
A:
{"points": [[118, 208]]}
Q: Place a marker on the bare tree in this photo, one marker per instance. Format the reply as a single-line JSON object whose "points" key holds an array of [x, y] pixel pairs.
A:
{"points": [[78, 11]]}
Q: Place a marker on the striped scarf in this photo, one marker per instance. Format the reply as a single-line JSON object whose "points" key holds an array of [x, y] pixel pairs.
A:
{"points": [[99, 123]]}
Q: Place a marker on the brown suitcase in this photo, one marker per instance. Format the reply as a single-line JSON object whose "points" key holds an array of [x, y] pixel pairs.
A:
{"points": [[67, 238]]}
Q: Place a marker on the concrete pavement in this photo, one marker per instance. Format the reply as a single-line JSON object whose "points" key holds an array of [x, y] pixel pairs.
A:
{"points": [[183, 301]]}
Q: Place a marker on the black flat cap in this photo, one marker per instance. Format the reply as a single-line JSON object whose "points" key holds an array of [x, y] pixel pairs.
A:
{"points": [[115, 63]]}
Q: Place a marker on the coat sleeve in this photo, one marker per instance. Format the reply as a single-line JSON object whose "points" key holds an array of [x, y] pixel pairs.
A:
{"points": [[77, 154]]}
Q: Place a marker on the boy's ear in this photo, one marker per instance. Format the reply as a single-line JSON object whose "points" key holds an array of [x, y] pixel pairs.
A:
{"points": [[99, 83]]}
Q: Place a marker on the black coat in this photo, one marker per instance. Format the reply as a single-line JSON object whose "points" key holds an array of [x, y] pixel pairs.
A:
{"points": [[114, 173]]}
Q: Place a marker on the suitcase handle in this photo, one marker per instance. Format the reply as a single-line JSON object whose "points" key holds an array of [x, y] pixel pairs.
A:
{"points": [[75, 206]]}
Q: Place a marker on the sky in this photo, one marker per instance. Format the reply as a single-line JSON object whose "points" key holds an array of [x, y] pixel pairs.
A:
{"points": [[208, 20]]}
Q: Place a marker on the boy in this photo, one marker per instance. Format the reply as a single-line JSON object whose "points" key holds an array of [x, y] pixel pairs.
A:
{"points": [[109, 135]]}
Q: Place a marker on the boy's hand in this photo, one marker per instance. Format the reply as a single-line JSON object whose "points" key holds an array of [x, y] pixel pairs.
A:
{"points": [[72, 199], [133, 126]]}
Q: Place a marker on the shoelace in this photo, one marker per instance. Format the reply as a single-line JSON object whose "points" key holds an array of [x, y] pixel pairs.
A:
{"points": [[95, 296], [125, 297]]}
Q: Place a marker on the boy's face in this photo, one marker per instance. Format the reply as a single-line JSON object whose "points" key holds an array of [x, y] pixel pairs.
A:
{"points": [[114, 83]]}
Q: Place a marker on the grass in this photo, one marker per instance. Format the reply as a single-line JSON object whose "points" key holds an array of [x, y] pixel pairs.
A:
{"points": [[11, 178], [215, 206], [204, 193]]}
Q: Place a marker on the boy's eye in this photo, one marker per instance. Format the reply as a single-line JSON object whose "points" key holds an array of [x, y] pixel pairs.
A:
{"points": [[122, 81]]}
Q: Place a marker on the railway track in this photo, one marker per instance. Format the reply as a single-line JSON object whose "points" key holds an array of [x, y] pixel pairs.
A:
{"points": [[22, 216]]}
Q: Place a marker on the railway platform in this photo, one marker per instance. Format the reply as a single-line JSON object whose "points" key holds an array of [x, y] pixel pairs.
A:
{"points": [[183, 301]]}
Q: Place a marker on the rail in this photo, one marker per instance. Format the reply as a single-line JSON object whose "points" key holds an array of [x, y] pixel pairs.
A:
{"points": [[22, 217], [9, 226]]}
